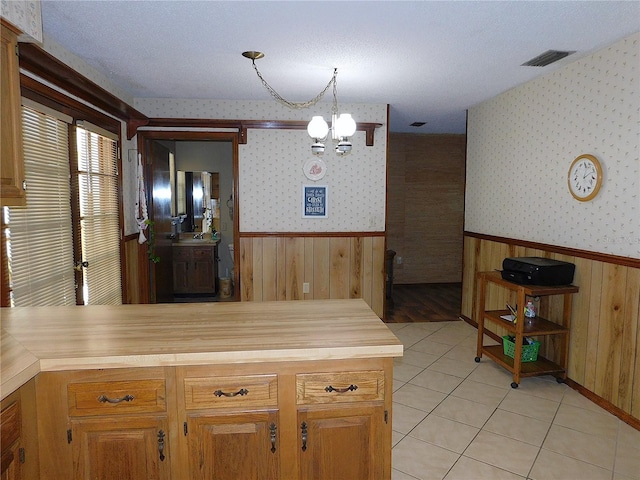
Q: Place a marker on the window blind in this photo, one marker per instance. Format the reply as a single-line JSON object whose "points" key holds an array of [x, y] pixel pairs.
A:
{"points": [[40, 246], [97, 179]]}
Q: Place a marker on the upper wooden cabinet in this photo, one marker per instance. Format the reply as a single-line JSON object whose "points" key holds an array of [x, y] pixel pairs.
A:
{"points": [[12, 188]]}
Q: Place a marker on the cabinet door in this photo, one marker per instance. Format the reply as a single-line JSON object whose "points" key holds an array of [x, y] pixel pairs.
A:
{"points": [[10, 442], [10, 462], [181, 261], [202, 275], [126, 448], [341, 443], [233, 446], [11, 157]]}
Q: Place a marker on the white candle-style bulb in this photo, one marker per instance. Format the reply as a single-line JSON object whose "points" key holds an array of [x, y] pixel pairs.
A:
{"points": [[345, 125], [317, 127]]}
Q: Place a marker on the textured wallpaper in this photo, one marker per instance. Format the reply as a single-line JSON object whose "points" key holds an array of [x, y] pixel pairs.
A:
{"points": [[26, 15], [271, 164], [271, 174], [521, 144]]}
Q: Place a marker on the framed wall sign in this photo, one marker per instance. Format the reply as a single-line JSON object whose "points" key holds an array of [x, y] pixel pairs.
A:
{"points": [[315, 201]]}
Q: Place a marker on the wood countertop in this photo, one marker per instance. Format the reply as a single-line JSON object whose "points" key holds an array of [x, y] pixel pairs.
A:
{"points": [[38, 339]]}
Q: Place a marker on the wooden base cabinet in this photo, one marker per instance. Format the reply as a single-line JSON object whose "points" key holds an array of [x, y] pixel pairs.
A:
{"points": [[105, 424], [11, 431], [232, 445], [19, 435], [327, 419], [126, 448], [231, 422], [341, 443]]}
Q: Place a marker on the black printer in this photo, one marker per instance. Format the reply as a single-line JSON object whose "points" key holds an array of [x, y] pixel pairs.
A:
{"points": [[537, 271]]}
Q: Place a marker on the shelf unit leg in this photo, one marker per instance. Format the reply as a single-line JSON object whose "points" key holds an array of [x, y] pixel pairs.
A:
{"points": [[480, 315], [517, 356]]}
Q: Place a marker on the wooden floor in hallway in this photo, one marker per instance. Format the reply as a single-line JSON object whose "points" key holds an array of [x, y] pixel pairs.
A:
{"points": [[424, 302]]}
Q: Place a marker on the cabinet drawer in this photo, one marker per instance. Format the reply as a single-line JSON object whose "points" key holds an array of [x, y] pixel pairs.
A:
{"points": [[202, 253], [10, 420], [219, 392], [181, 253], [339, 387], [116, 397]]}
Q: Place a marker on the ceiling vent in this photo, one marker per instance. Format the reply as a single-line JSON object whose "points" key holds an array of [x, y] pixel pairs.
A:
{"points": [[547, 58]]}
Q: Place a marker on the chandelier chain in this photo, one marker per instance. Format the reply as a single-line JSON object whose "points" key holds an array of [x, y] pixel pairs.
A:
{"points": [[334, 107], [298, 105]]}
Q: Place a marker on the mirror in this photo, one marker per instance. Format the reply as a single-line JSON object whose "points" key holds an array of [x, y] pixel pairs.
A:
{"points": [[197, 201]]}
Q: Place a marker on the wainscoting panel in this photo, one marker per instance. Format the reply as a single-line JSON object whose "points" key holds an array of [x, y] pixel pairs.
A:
{"points": [[134, 271], [276, 267], [604, 352]]}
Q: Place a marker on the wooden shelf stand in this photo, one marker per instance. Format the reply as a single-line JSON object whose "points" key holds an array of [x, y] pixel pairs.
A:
{"points": [[524, 327]]}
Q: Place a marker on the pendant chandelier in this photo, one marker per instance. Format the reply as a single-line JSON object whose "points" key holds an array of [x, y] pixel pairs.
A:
{"points": [[342, 126]]}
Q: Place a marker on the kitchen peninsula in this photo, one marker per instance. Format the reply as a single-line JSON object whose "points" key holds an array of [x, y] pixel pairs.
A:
{"points": [[290, 390]]}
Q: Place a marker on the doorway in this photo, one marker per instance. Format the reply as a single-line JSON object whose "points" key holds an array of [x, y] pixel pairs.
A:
{"points": [[192, 181]]}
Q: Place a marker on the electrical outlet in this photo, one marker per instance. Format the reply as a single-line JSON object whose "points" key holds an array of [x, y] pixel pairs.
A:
{"points": [[399, 260], [305, 287]]}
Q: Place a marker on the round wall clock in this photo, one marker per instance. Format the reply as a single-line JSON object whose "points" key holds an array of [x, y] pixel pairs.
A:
{"points": [[585, 177]]}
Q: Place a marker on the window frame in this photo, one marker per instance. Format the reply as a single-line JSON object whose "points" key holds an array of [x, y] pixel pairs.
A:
{"points": [[57, 100]]}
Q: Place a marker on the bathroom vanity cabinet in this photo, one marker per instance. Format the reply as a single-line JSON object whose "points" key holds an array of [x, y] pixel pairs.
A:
{"points": [[195, 268]]}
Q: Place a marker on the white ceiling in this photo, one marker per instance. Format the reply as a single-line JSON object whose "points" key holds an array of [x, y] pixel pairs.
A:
{"points": [[430, 60]]}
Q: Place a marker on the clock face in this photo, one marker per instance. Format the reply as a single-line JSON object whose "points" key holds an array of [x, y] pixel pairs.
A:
{"points": [[585, 177]]}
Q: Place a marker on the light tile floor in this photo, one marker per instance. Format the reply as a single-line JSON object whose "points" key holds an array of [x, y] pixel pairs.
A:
{"points": [[456, 419]]}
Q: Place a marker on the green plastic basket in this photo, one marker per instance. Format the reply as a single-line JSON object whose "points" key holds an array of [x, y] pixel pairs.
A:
{"points": [[529, 352]]}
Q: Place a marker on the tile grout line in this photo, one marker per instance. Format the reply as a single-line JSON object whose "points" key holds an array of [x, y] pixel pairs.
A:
{"points": [[562, 401]]}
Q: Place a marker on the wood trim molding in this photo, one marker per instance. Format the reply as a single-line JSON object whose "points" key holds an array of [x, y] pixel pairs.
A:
{"points": [[10, 26], [131, 237], [243, 125], [5, 287], [310, 234], [47, 96], [46, 66], [601, 402], [185, 135], [39, 62], [573, 252]]}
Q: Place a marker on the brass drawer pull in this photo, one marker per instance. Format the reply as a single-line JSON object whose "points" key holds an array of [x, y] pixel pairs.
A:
{"points": [[126, 398], [272, 430], [304, 432], [161, 445], [350, 388], [242, 392]]}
